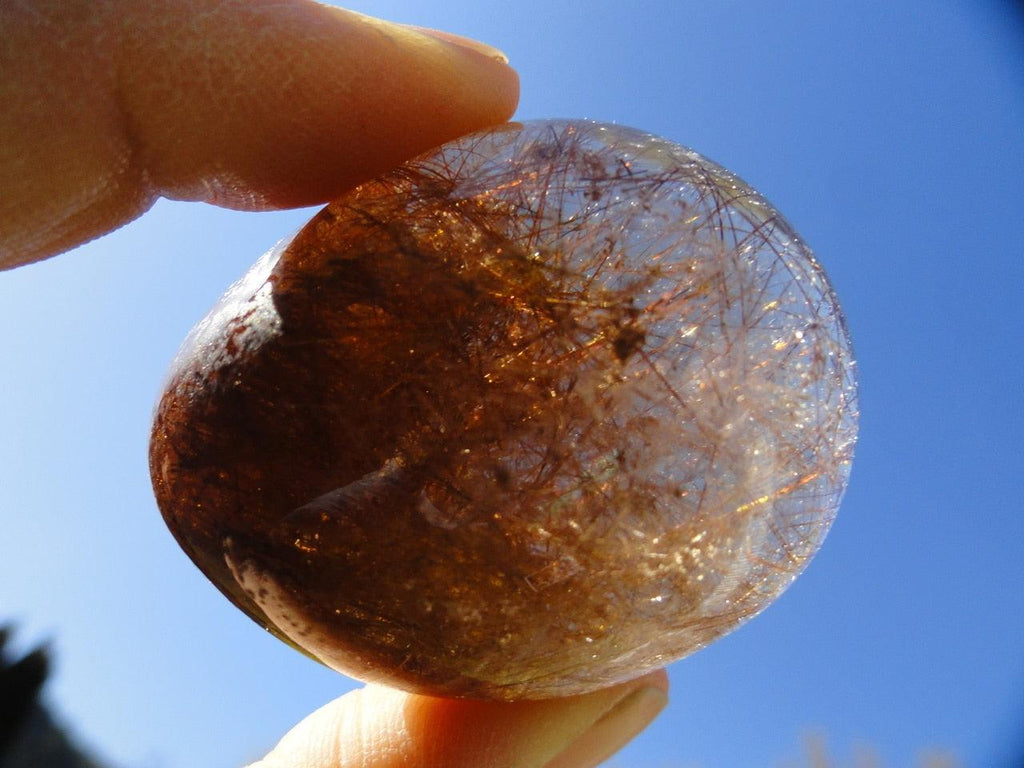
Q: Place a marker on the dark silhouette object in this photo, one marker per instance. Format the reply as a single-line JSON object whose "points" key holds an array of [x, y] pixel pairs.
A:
{"points": [[29, 736]]}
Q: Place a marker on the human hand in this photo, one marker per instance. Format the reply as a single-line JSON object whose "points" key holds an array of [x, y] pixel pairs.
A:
{"points": [[106, 105]]}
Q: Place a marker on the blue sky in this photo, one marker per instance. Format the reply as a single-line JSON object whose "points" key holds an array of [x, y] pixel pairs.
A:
{"points": [[890, 133]]}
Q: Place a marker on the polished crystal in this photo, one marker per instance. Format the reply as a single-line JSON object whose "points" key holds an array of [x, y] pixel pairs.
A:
{"points": [[548, 407]]}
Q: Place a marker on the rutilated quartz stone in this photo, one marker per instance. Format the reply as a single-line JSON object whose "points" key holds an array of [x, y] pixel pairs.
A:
{"points": [[548, 407]]}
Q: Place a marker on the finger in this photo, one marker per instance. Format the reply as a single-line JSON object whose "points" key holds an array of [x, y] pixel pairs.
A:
{"points": [[107, 104], [376, 727]]}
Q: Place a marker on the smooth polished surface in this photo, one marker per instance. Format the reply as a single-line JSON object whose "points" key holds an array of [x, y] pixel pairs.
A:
{"points": [[551, 406]]}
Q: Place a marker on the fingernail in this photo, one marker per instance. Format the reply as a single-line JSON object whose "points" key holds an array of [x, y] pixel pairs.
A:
{"points": [[613, 730], [462, 42]]}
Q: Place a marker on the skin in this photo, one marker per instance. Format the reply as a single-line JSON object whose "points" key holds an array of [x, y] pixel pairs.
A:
{"points": [[107, 105]]}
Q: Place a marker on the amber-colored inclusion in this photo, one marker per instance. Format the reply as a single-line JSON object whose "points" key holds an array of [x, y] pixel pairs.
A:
{"points": [[537, 412]]}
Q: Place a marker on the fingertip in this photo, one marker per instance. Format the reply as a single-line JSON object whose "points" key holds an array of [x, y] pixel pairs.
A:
{"points": [[264, 104], [377, 727], [625, 719]]}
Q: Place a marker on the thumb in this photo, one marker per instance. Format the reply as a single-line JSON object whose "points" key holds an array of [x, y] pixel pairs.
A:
{"points": [[376, 727]]}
